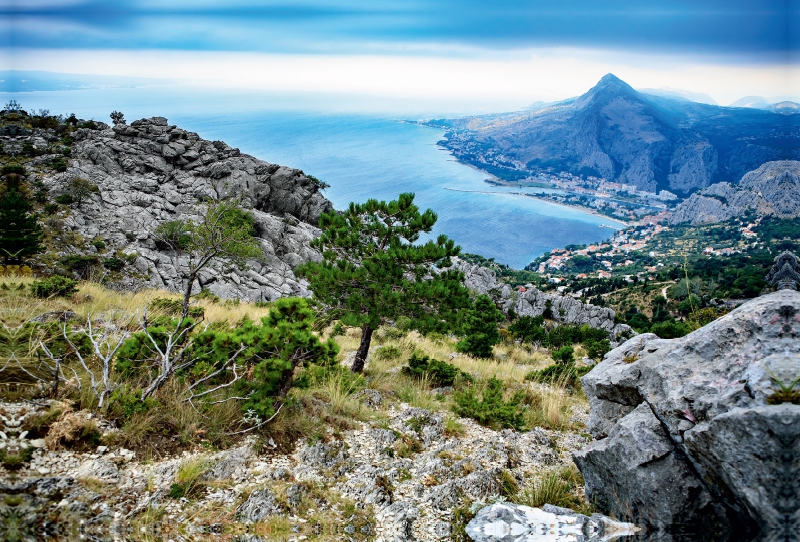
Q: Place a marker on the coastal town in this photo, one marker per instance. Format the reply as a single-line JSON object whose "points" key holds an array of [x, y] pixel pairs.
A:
{"points": [[640, 251]]}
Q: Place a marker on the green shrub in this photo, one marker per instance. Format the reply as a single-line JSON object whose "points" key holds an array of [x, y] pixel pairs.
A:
{"points": [[491, 410], [14, 169], [99, 244], [438, 373], [113, 264], [479, 325], [172, 235], [54, 286], [670, 329], [64, 199], [597, 349], [529, 329], [564, 355], [78, 263], [60, 165], [124, 403]]}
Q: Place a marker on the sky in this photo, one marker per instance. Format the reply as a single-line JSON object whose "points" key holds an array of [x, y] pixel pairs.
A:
{"points": [[489, 52]]}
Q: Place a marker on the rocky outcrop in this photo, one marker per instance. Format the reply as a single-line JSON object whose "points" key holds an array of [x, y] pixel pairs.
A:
{"points": [[532, 302], [151, 172], [505, 522], [772, 189], [702, 433]]}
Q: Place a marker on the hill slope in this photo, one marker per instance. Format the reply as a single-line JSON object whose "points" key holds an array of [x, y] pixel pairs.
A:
{"points": [[615, 132]]}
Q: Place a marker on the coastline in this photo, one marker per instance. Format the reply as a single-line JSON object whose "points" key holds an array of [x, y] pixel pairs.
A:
{"points": [[500, 182], [586, 210]]}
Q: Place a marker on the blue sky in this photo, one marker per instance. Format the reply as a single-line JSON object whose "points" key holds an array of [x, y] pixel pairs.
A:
{"points": [[725, 48]]}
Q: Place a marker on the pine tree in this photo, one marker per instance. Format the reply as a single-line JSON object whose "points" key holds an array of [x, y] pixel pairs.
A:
{"points": [[480, 328], [373, 272], [20, 233]]}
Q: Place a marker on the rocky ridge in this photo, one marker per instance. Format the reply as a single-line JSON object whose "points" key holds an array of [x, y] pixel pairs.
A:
{"points": [[150, 172], [772, 189], [613, 131], [532, 302], [702, 433]]}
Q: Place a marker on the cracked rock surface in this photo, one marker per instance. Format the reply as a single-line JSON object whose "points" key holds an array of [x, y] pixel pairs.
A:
{"points": [[696, 433], [151, 172]]}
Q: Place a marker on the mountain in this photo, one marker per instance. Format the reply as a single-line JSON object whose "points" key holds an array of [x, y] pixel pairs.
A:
{"points": [[615, 132], [757, 102], [772, 189]]}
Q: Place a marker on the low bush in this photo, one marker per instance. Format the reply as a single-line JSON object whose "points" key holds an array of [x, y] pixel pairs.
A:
{"points": [[53, 287], [479, 326], [113, 264], [491, 410], [437, 373]]}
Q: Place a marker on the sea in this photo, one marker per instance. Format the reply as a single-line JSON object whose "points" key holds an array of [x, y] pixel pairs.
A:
{"points": [[360, 154]]}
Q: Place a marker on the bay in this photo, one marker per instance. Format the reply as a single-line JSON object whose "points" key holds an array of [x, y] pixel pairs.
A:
{"points": [[360, 156]]}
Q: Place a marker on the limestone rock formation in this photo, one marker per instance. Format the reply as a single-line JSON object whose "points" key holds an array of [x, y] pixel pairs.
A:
{"points": [[701, 434], [772, 189], [150, 172], [505, 522], [532, 302]]}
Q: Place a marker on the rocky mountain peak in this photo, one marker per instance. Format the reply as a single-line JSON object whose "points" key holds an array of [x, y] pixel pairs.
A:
{"points": [[608, 88]]}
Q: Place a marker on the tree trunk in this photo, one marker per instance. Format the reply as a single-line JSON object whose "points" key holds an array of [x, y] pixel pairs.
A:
{"points": [[363, 349], [187, 295]]}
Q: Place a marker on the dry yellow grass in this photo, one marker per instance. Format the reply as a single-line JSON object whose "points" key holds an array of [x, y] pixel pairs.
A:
{"points": [[95, 300]]}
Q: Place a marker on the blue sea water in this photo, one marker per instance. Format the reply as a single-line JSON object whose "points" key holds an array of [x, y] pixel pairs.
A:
{"points": [[361, 156]]}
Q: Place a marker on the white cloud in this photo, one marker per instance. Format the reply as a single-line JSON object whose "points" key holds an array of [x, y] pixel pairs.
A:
{"points": [[485, 76]]}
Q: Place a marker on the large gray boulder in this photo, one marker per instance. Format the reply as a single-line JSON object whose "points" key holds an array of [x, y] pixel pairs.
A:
{"points": [[150, 172], [691, 432]]}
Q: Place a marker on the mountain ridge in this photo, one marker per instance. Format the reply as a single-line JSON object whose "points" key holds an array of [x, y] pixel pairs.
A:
{"points": [[615, 132]]}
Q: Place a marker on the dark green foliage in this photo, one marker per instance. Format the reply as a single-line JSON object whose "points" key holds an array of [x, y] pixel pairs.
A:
{"points": [[64, 199], [274, 349], [54, 286], [20, 233], [113, 264], [117, 117], [176, 491], [372, 271], [529, 329], [491, 410], [479, 326], [597, 349], [99, 244], [564, 355], [138, 353], [670, 329], [60, 165], [172, 235], [80, 189], [14, 169], [438, 373], [125, 402], [548, 309], [79, 264]]}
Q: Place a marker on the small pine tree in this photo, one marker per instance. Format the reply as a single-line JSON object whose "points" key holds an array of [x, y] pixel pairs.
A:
{"points": [[373, 272], [479, 325], [20, 233]]}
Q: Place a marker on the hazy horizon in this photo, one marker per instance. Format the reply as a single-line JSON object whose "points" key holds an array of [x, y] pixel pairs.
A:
{"points": [[468, 56]]}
